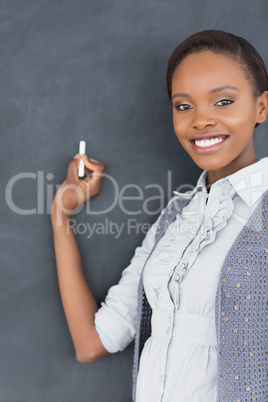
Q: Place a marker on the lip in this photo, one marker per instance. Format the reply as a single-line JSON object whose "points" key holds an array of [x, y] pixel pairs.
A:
{"points": [[210, 149], [207, 136]]}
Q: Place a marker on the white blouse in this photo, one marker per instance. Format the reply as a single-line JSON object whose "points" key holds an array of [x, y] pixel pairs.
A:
{"points": [[179, 360]]}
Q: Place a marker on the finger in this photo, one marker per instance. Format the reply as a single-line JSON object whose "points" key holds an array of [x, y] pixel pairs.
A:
{"points": [[77, 158], [97, 176], [92, 164], [88, 179], [94, 176]]}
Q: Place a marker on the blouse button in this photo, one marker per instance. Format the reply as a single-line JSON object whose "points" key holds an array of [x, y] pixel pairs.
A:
{"points": [[184, 265], [177, 278]]}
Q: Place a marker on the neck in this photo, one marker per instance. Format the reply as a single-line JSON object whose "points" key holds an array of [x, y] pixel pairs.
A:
{"points": [[234, 166]]}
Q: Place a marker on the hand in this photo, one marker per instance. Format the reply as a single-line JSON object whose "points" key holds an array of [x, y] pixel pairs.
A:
{"points": [[74, 192]]}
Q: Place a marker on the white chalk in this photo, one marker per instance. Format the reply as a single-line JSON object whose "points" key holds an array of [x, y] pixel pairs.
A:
{"points": [[82, 150]]}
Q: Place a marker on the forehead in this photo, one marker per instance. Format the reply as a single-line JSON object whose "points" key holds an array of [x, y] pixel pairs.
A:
{"points": [[207, 70]]}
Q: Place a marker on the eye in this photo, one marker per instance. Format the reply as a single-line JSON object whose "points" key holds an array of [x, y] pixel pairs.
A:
{"points": [[182, 106], [224, 102]]}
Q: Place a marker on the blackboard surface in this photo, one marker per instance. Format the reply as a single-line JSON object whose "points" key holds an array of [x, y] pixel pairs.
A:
{"points": [[92, 70]]}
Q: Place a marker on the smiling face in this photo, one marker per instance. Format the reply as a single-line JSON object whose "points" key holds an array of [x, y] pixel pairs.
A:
{"points": [[215, 112]]}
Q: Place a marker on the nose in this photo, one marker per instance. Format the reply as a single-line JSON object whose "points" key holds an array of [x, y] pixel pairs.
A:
{"points": [[202, 120]]}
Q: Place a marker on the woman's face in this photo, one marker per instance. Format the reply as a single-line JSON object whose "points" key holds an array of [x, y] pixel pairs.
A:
{"points": [[214, 113]]}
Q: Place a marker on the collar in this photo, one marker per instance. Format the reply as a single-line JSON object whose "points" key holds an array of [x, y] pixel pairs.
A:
{"points": [[200, 186], [250, 183]]}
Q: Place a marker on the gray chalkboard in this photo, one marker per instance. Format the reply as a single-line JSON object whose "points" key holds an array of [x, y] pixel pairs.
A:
{"points": [[92, 70]]}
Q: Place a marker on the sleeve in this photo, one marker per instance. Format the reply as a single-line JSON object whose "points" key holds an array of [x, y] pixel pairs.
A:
{"points": [[109, 346], [116, 318]]}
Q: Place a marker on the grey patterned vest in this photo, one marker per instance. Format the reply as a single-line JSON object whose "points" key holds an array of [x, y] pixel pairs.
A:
{"points": [[241, 310]]}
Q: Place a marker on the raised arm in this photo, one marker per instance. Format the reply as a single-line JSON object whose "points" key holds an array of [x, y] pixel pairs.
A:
{"points": [[77, 299]]}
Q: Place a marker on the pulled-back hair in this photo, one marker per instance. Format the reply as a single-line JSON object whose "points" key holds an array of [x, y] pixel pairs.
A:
{"points": [[237, 48]]}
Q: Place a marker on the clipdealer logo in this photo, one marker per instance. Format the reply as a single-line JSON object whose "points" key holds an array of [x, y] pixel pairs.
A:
{"points": [[141, 201], [45, 192], [250, 189]]}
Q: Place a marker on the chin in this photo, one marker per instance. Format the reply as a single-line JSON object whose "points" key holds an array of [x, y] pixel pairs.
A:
{"points": [[209, 162]]}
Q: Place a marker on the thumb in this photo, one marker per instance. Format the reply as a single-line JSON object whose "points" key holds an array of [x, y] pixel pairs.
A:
{"points": [[73, 170]]}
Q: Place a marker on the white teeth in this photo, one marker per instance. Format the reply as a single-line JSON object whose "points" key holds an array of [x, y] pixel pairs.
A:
{"points": [[208, 143]]}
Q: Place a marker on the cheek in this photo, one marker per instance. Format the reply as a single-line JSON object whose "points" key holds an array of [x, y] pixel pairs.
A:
{"points": [[241, 126], [233, 116], [241, 116], [181, 125]]}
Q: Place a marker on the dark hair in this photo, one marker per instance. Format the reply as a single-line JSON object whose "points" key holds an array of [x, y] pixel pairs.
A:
{"points": [[235, 47]]}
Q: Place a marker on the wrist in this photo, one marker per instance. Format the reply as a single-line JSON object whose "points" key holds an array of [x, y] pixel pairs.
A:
{"points": [[58, 217]]}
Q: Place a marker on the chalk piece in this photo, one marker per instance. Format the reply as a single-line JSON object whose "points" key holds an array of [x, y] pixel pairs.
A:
{"points": [[82, 150]]}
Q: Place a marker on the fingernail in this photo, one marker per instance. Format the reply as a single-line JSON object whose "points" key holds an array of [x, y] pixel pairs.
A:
{"points": [[76, 156]]}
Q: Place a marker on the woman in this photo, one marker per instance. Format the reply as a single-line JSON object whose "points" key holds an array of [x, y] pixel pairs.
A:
{"points": [[201, 322]]}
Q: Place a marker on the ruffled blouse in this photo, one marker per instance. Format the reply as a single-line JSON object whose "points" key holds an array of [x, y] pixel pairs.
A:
{"points": [[180, 286]]}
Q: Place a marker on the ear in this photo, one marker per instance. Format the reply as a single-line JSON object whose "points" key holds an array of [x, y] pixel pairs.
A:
{"points": [[262, 107]]}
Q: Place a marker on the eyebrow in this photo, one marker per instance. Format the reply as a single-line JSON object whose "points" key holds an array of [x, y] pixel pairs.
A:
{"points": [[212, 91]]}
